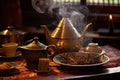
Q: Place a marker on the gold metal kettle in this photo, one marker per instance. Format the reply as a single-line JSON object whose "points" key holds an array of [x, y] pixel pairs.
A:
{"points": [[65, 36], [11, 35]]}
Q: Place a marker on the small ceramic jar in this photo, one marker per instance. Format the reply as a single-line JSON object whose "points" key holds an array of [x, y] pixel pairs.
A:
{"points": [[93, 47]]}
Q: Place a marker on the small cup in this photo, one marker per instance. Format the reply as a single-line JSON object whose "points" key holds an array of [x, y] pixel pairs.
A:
{"points": [[43, 65], [93, 47], [10, 49]]}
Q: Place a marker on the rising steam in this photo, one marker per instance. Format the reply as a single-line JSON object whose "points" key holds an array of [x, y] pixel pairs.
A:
{"points": [[75, 12]]}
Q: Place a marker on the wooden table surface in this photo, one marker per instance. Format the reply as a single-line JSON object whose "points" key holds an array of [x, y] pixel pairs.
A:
{"points": [[108, 70]]}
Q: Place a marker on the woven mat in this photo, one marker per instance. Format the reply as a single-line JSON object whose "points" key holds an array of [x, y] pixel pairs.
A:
{"points": [[111, 52]]}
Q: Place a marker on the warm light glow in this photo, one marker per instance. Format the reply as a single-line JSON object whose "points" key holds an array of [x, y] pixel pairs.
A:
{"points": [[5, 32], [110, 17], [56, 70], [103, 2], [32, 74]]}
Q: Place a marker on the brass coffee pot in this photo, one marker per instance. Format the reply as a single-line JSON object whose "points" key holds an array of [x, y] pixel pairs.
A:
{"points": [[11, 35], [65, 36]]}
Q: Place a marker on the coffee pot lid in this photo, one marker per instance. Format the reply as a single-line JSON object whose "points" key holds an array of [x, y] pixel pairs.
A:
{"points": [[34, 45], [10, 30], [65, 29]]}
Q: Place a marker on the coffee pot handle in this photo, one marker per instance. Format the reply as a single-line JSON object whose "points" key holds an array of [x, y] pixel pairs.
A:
{"points": [[51, 50]]}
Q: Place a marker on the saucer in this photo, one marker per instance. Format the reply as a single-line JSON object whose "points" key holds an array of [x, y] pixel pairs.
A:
{"points": [[5, 58], [4, 66], [8, 68]]}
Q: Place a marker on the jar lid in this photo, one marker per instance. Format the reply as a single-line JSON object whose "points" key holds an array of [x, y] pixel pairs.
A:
{"points": [[11, 31], [93, 44], [35, 45]]}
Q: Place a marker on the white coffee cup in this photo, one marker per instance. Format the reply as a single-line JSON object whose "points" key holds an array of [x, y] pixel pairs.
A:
{"points": [[10, 49]]}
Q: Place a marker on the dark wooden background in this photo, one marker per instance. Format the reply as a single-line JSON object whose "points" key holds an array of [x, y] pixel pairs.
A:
{"points": [[21, 14]]}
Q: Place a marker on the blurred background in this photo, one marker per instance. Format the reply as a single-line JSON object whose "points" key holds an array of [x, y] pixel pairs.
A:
{"points": [[22, 15]]}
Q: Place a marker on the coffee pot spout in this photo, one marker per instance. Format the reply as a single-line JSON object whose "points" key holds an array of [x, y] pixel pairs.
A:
{"points": [[84, 31]]}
